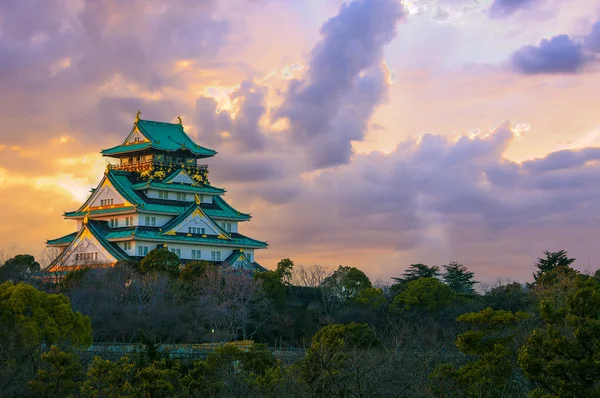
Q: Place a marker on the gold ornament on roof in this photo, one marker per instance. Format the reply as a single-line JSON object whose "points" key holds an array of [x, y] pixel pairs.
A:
{"points": [[137, 116], [86, 219], [197, 198], [180, 122]]}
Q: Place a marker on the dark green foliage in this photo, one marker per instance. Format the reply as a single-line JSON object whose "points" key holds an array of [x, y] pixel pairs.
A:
{"points": [[492, 361], [272, 286], [19, 268], [563, 357], [416, 271], [58, 375], [346, 282], [194, 270], [551, 261], [459, 278], [511, 297], [426, 294], [28, 319], [284, 270], [108, 379], [161, 261], [326, 367], [359, 344], [372, 298]]}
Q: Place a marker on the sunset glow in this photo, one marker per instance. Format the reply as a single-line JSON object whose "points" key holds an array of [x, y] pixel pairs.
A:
{"points": [[370, 133]]}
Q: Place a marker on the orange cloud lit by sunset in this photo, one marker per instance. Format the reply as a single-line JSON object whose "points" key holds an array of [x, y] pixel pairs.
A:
{"points": [[241, 74]]}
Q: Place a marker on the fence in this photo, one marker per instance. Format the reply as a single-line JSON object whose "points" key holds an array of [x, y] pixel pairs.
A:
{"points": [[114, 351]]}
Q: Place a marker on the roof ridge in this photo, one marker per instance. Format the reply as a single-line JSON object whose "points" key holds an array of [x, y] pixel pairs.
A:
{"points": [[158, 122]]}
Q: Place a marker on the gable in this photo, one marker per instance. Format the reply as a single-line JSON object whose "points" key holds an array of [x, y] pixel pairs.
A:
{"points": [[106, 195], [135, 137], [241, 262], [86, 250], [198, 219], [180, 177]]}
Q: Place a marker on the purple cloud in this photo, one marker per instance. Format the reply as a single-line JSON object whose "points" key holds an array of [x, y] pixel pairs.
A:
{"points": [[505, 8], [560, 54], [352, 44], [592, 41]]}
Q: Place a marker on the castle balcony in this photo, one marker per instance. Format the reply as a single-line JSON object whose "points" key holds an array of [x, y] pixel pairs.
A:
{"points": [[154, 164]]}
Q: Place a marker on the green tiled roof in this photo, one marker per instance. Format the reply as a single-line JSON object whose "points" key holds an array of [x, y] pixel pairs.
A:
{"points": [[124, 182], [177, 220], [206, 189], [123, 209], [99, 230], [236, 239], [62, 240], [250, 266], [163, 136]]}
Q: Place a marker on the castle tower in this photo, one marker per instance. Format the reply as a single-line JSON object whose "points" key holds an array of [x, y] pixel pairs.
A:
{"points": [[156, 194]]}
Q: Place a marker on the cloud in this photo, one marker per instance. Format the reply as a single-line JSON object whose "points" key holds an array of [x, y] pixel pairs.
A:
{"points": [[352, 44], [434, 195], [560, 54], [62, 66], [592, 40], [505, 8]]}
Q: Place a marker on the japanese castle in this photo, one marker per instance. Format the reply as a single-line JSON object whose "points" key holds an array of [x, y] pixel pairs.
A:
{"points": [[156, 195]]}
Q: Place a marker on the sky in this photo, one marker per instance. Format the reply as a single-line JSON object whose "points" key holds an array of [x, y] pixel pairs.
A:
{"points": [[367, 133]]}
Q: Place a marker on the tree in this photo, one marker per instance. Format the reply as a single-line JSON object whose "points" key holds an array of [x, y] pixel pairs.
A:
{"points": [[329, 368], [194, 269], [509, 297], [161, 260], [427, 294], [233, 302], [28, 319], [272, 286], [459, 278], [492, 363], [551, 261], [372, 298], [416, 271], [58, 375], [19, 268], [346, 282], [563, 357], [284, 270], [108, 379]]}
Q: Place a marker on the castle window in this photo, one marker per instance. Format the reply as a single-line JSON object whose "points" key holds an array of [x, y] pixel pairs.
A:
{"points": [[142, 250], [150, 221], [194, 230], [106, 202], [215, 256], [128, 221], [196, 254], [163, 195], [249, 257], [127, 245], [114, 222], [228, 225], [180, 196], [177, 252], [86, 256]]}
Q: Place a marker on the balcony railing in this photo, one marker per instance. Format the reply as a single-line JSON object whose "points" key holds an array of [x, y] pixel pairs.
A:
{"points": [[148, 164]]}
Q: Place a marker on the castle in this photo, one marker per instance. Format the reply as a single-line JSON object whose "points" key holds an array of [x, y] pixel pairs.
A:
{"points": [[156, 195]]}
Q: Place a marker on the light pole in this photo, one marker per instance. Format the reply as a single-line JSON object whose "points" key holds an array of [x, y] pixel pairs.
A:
{"points": [[212, 338]]}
